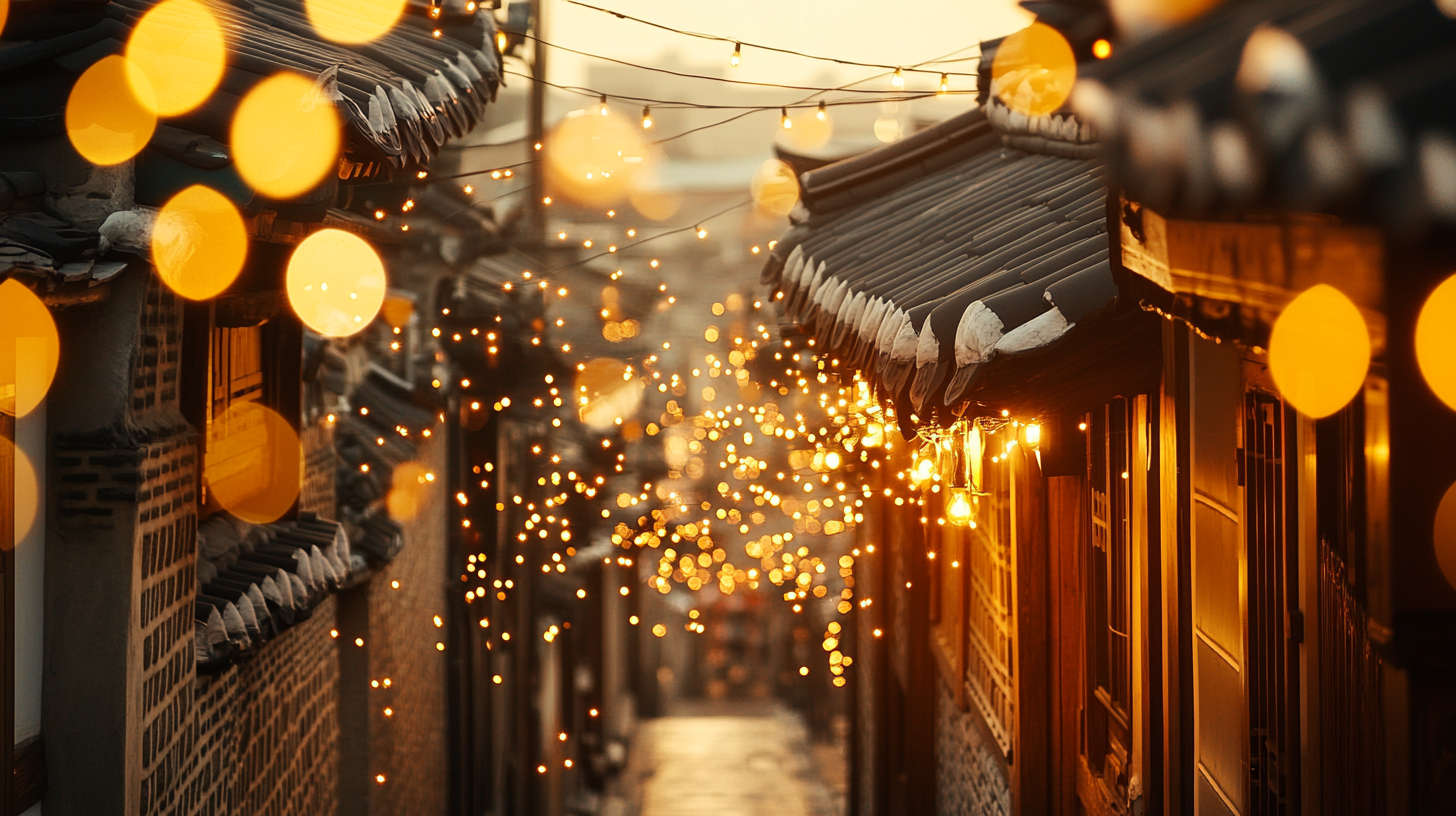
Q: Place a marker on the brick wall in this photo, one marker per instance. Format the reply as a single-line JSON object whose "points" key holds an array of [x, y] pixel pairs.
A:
{"points": [[970, 775], [394, 614], [286, 722], [319, 463]]}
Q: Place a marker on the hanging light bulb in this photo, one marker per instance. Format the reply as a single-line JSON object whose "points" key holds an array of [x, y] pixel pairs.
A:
{"points": [[604, 105], [898, 80], [784, 119], [944, 83], [822, 113], [959, 510], [500, 41], [702, 233], [646, 118], [737, 57]]}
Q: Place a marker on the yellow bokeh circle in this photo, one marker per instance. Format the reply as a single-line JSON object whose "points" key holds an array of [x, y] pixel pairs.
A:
{"points": [[254, 463], [26, 489], [1436, 341], [176, 56], [199, 243], [1034, 70], [592, 159], [809, 132], [335, 283], [4, 13], [106, 120], [30, 348], [1444, 535], [353, 21], [775, 188], [285, 136], [1319, 351], [407, 491]]}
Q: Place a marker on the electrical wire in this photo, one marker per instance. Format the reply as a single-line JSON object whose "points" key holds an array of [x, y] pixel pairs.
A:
{"points": [[696, 225], [743, 43], [724, 79], [677, 104]]}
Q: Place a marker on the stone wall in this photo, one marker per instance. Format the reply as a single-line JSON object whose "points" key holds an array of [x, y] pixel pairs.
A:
{"points": [[971, 777]]}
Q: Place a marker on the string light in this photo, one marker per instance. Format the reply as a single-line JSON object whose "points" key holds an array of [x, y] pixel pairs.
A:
{"points": [[823, 113], [646, 118], [897, 81], [944, 84], [737, 58], [604, 104], [784, 119]]}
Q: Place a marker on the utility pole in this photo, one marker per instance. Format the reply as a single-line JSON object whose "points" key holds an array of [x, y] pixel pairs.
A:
{"points": [[536, 131]]}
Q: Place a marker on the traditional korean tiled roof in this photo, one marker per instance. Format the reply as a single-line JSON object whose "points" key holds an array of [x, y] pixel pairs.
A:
{"points": [[925, 263], [402, 96], [254, 581], [1343, 108]]}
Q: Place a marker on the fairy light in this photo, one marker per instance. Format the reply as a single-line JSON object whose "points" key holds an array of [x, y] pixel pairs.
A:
{"points": [[822, 114], [897, 80], [784, 119], [737, 58], [646, 118]]}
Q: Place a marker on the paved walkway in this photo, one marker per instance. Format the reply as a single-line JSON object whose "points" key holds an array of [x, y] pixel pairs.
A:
{"points": [[730, 760]]}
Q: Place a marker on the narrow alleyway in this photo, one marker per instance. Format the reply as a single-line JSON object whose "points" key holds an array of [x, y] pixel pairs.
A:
{"points": [[730, 758]]}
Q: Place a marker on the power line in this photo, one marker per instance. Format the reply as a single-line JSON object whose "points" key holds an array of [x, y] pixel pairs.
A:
{"points": [[709, 78], [738, 44], [677, 104], [694, 228]]}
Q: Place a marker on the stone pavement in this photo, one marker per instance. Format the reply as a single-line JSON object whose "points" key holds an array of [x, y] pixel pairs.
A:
{"points": [[729, 759]]}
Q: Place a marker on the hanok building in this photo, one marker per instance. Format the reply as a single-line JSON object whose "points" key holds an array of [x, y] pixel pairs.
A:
{"points": [[169, 657], [1131, 574]]}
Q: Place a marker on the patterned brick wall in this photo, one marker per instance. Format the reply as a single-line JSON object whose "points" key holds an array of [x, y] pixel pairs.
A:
{"points": [[205, 785], [970, 776], [409, 746], [286, 721]]}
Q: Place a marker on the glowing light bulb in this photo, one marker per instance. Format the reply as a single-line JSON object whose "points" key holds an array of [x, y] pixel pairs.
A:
{"points": [[737, 57], [822, 114], [944, 83], [603, 103], [784, 119], [897, 81], [1102, 49]]}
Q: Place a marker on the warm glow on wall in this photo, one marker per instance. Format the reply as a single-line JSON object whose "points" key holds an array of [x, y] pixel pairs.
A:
{"points": [[27, 491], [1319, 351], [1034, 70], [407, 493], [199, 243], [1444, 535], [29, 349], [353, 21], [335, 282], [105, 120], [254, 462], [175, 57], [285, 136], [1436, 341]]}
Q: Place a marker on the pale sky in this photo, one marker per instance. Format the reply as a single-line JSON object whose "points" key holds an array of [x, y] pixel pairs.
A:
{"points": [[894, 33]]}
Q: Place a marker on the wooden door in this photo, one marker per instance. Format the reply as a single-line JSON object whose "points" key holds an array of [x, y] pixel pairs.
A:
{"points": [[1218, 580]]}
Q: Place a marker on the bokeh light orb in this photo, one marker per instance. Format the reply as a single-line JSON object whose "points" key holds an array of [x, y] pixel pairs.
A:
{"points": [[30, 348], [4, 13], [809, 131], [775, 188], [1436, 341], [1143, 18], [254, 462], [407, 491], [106, 119], [353, 21], [1319, 351], [1444, 535], [335, 282], [199, 243], [285, 136], [175, 57], [26, 489], [1034, 70], [397, 310], [591, 159]]}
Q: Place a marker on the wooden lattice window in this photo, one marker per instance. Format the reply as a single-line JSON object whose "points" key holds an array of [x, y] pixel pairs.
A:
{"points": [[1108, 704], [235, 375], [990, 586]]}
